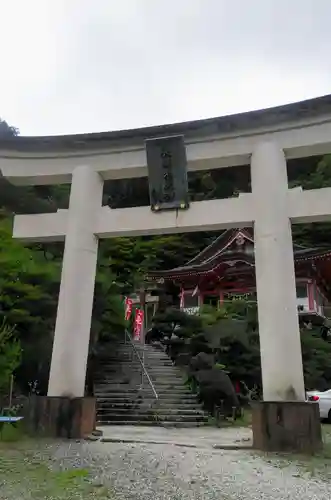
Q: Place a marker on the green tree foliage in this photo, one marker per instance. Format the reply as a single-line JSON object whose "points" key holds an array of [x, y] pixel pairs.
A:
{"points": [[28, 301], [6, 130], [316, 355], [108, 309], [235, 330], [10, 355], [311, 235], [218, 183], [231, 333], [176, 322]]}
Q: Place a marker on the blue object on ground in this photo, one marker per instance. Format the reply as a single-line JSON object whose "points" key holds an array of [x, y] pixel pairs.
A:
{"points": [[10, 419]]}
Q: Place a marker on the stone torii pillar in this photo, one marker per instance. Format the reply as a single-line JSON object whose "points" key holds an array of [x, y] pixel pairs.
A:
{"points": [[280, 346], [283, 420], [73, 321], [65, 412]]}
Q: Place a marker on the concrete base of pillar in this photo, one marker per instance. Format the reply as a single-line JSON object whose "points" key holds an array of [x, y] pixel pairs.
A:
{"points": [[60, 417], [286, 426]]}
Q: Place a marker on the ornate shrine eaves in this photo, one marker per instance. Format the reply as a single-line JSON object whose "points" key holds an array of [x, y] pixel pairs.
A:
{"points": [[216, 254], [206, 127], [219, 244]]}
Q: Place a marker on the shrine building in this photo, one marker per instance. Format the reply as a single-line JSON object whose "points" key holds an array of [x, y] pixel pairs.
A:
{"points": [[225, 270]]}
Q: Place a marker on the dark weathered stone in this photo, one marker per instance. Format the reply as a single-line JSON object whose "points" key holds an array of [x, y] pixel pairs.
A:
{"points": [[216, 390], [202, 361], [286, 426], [71, 418], [167, 173]]}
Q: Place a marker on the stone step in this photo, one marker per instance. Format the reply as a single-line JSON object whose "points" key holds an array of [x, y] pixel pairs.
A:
{"points": [[133, 397], [148, 398], [166, 410], [136, 385], [151, 423], [189, 404], [129, 397], [127, 363], [161, 378], [137, 375], [115, 355], [103, 368], [167, 379], [130, 352], [128, 346], [150, 403], [135, 366], [151, 364], [164, 369], [128, 349], [129, 389], [147, 357], [117, 377], [165, 413], [169, 398], [109, 374], [123, 371], [136, 380], [146, 385], [127, 357], [122, 400], [154, 405], [149, 417]]}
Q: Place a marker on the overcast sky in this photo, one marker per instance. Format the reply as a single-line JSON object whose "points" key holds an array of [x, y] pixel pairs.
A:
{"points": [[73, 66]]}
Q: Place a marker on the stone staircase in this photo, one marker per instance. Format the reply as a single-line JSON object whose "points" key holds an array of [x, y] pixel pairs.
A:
{"points": [[122, 399]]}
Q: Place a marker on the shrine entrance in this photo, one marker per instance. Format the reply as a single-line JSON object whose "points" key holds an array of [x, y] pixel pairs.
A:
{"points": [[264, 139]]}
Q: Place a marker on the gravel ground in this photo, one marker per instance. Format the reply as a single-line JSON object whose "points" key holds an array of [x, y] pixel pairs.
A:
{"points": [[159, 472]]}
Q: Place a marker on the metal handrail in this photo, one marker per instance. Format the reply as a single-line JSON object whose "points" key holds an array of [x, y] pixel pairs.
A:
{"points": [[142, 364]]}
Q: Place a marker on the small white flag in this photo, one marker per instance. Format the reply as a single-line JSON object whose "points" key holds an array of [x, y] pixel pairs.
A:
{"points": [[195, 291]]}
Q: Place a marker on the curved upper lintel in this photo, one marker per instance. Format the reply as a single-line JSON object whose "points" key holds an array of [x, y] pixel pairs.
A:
{"points": [[301, 129]]}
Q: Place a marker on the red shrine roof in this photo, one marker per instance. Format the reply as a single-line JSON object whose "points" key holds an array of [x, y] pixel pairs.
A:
{"points": [[232, 253]]}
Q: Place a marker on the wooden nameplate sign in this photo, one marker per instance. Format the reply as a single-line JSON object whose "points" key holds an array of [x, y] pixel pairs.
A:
{"points": [[167, 173]]}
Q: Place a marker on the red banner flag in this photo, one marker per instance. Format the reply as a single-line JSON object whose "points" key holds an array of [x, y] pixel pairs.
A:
{"points": [[138, 324], [128, 308]]}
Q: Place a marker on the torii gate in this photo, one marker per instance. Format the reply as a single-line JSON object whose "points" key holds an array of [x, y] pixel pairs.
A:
{"points": [[270, 208]]}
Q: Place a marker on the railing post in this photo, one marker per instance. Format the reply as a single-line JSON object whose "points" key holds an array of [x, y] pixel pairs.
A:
{"points": [[142, 297], [144, 371]]}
